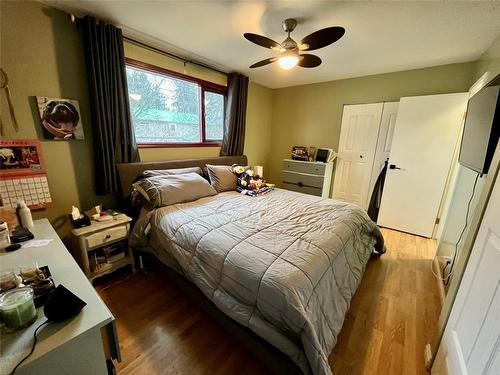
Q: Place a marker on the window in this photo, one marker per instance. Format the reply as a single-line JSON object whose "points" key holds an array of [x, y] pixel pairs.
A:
{"points": [[171, 109]]}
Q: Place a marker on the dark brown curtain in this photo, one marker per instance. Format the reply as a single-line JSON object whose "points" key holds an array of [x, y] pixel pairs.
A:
{"points": [[235, 116], [114, 140]]}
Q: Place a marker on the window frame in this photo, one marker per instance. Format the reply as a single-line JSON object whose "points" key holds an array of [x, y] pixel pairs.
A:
{"points": [[204, 86]]}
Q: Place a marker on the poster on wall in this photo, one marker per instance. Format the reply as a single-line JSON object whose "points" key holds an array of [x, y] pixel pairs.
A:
{"points": [[60, 118]]}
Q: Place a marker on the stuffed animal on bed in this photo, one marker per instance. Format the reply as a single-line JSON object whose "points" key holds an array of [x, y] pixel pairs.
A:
{"points": [[247, 182]]}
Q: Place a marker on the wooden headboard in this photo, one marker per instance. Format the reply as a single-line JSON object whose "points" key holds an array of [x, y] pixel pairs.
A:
{"points": [[129, 172]]}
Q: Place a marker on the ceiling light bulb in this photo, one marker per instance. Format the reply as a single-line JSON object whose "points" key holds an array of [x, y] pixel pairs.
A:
{"points": [[288, 62]]}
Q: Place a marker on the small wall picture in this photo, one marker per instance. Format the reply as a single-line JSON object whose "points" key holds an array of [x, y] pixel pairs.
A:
{"points": [[20, 156], [300, 153], [60, 118]]}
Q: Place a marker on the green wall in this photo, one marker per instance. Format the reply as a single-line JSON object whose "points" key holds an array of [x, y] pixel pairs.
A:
{"points": [[310, 115], [42, 55], [41, 52]]}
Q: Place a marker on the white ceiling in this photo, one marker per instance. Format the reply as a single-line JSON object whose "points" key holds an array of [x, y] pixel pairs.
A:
{"points": [[380, 37]]}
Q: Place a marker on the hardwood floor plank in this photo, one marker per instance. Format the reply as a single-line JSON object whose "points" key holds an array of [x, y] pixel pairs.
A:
{"points": [[393, 315]]}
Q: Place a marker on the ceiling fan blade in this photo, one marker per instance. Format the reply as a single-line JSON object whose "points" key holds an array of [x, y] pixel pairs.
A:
{"points": [[264, 62], [322, 38], [262, 40], [309, 61]]}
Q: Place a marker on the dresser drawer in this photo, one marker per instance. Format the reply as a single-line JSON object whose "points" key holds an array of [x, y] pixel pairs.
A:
{"points": [[303, 179], [105, 236], [303, 189], [304, 167]]}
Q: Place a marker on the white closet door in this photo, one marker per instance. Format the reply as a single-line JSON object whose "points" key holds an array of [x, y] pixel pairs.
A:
{"points": [[384, 141], [358, 140], [471, 339], [425, 135]]}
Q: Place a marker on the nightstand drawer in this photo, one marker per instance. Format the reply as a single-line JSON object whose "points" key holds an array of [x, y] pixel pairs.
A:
{"points": [[105, 236]]}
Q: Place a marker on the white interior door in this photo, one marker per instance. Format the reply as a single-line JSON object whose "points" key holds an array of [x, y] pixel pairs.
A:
{"points": [[425, 135], [358, 140], [384, 141], [471, 339]]}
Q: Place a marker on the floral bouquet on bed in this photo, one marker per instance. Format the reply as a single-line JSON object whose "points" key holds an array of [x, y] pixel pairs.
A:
{"points": [[250, 183]]}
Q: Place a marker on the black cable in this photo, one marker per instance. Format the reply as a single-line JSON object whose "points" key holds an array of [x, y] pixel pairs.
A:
{"points": [[462, 233], [32, 347]]}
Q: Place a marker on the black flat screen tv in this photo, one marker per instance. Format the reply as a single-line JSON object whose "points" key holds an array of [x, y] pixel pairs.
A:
{"points": [[482, 128]]}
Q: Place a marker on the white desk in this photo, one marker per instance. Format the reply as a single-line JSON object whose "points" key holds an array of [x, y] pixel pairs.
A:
{"points": [[71, 347]]}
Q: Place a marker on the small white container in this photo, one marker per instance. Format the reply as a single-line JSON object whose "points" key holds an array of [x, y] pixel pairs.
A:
{"points": [[4, 235], [25, 215]]}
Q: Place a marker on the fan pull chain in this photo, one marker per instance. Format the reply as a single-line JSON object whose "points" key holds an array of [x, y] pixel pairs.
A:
{"points": [[5, 86]]}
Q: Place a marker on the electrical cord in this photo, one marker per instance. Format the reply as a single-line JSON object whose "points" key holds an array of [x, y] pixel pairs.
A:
{"points": [[32, 347], [452, 266]]}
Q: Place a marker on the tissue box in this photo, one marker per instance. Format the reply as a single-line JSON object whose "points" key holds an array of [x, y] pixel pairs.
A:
{"points": [[82, 221]]}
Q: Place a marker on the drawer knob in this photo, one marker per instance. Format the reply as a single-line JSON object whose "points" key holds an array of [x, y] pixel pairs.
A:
{"points": [[108, 236], [300, 184]]}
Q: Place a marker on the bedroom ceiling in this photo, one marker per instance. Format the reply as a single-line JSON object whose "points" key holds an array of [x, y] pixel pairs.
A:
{"points": [[380, 37]]}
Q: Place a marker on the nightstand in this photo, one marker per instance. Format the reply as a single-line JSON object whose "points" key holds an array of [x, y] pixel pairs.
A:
{"points": [[102, 247]]}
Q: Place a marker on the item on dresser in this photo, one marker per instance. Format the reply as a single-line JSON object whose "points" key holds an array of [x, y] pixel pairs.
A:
{"points": [[306, 177], [18, 308], [8, 280], [312, 153], [4, 235], [300, 153], [324, 155], [24, 214], [20, 235], [62, 305]]}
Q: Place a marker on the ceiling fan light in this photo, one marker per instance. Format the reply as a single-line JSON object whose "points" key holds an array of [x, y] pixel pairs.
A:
{"points": [[288, 62]]}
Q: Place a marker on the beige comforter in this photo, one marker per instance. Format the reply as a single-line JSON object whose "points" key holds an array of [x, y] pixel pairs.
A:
{"points": [[284, 264]]}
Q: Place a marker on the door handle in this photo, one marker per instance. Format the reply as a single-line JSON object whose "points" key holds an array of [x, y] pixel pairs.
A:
{"points": [[392, 166]]}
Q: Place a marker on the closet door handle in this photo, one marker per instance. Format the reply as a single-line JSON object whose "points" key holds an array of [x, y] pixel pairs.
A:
{"points": [[392, 166]]}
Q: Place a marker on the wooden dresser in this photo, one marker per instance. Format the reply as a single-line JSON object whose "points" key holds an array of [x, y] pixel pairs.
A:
{"points": [[308, 177]]}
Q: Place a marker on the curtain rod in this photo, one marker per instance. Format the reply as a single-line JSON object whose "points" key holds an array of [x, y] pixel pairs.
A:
{"points": [[169, 54]]}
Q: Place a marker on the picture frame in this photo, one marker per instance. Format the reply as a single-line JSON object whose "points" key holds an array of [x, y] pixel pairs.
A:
{"points": [[300, 153], [323, 155], [60, 118]]}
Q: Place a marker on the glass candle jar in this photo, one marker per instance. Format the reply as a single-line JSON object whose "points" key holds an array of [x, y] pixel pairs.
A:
{"points": [[8, 280], [17, 308]]}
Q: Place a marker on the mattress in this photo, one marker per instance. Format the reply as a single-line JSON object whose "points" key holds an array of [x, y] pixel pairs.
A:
{"points": [[285, 264]]}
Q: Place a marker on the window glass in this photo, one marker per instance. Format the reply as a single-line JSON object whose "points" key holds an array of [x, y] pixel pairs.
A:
{"points": [[164, 109], [214, 116]]}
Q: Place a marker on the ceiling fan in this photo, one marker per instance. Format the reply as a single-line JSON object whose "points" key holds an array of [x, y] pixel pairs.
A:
{"points": [[288, 50]]}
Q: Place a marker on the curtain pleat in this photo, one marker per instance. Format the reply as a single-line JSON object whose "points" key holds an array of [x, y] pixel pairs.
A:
{"points": [[114, 140], [235, 115]]}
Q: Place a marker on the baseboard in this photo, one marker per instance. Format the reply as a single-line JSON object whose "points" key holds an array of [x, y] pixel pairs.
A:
{"points": [[437, 271]]}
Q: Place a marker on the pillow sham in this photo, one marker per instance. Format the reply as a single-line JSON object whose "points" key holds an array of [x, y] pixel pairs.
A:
{"points": [[166, 190], [168, 172], [222, 177]]}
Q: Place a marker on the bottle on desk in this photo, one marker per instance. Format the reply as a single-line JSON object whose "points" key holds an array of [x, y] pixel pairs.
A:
{"points": [[24, 215]]}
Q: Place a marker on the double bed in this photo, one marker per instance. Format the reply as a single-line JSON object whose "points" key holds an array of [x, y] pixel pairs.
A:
{"points": [[285, 265]]}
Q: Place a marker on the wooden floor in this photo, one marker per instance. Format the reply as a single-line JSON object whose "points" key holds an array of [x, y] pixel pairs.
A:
{"points": [[392, 316]]}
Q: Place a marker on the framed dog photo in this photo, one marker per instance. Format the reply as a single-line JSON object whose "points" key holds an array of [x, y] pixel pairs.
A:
{"points": [[60, 118]]}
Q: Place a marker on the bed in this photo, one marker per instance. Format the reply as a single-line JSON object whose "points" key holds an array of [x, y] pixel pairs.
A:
{"points": [[283, 265]]}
